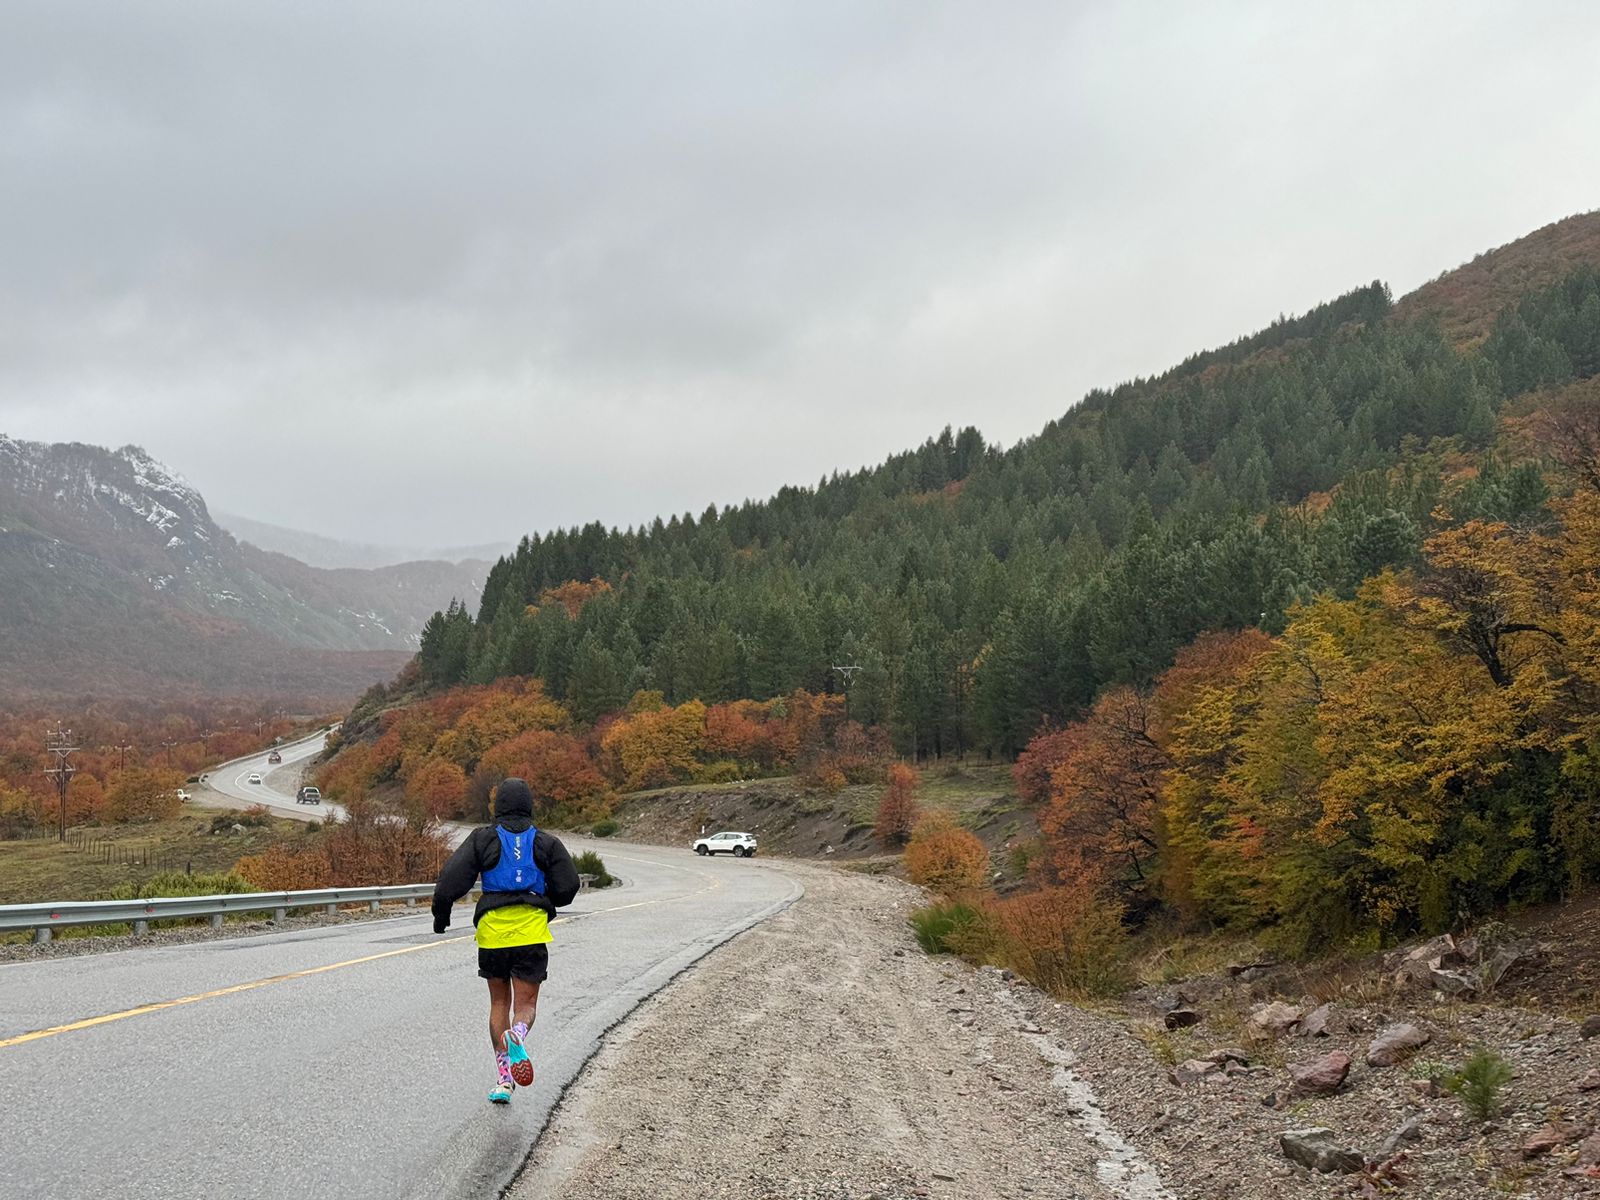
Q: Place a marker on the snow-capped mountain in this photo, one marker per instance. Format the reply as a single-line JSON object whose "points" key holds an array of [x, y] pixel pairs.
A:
{"points": [[107, 556]]}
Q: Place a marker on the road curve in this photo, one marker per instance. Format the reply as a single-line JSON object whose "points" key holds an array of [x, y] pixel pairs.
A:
{"points": [[231, 781], [349, 1061]]}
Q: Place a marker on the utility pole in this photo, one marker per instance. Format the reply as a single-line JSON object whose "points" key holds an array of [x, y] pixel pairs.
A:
{"points": [[122, 756], [847, 672], [58, 741], [169, 746]]}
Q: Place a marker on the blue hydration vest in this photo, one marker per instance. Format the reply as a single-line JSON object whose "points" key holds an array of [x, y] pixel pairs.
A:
{"points": [[516, 871]]}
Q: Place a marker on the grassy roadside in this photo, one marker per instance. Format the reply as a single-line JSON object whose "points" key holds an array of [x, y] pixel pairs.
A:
{"points": [[37, 870]]}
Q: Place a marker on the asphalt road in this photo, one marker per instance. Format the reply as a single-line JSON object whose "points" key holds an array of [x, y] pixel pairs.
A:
{"points": [[278, 781], [346, 1062]]}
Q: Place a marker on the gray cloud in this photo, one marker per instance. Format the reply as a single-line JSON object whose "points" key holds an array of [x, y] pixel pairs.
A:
{"points": [[420, 273]]}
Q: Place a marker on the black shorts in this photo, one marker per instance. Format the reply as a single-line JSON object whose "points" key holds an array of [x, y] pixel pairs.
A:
{"points": [[531, 964]]}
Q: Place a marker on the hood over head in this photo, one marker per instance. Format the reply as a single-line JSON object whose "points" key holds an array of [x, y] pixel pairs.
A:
{"points": [[513, 799]]}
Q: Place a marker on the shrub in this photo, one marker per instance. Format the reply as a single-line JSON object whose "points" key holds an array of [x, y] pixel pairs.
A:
{"points": [[946, 859], [897, 811], [590, 863], [1478, 1083], [605, 828], [176, 883], [1067, 940], [951, 927], [724, 770], [256, 815], [282, 870]]}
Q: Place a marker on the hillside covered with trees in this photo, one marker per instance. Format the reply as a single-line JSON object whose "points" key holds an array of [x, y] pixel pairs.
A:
{"points": [[984, 591], [1298, 637]]}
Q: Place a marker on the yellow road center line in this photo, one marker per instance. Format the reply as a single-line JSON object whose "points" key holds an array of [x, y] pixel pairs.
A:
{"points": [[159, 1005], [90, 1022]]}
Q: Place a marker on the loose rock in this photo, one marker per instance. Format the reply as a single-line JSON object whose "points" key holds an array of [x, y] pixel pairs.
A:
{"points": [[1410, 1130], [1318, 1022], [1395, 1043], [1316, 1149], [1590, 1027], [1321, 1076], [1181, 1018], [1542, 1141], [1194, 1070], [1271, 1021]]}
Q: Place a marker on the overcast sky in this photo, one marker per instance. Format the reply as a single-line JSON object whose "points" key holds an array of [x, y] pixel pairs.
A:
{"points": [[429, 273]]}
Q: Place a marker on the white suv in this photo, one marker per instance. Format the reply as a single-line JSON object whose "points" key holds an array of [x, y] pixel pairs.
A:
{"points": [[741, 844]]}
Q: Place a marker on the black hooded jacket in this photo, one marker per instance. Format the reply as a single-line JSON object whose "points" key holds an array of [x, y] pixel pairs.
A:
{"points": [[480, 852]]}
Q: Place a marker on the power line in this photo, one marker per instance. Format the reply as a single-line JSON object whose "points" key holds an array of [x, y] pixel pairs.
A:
{"points": [[848, 672], [58, 741]]}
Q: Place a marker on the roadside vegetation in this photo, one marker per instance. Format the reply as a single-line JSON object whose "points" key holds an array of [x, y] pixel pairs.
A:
{"points": [[1295, 643], [590, 863], [113, 861]]}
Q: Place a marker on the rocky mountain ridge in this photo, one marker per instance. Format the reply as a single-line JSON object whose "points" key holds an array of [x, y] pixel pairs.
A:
{"points": [[110, 557]]}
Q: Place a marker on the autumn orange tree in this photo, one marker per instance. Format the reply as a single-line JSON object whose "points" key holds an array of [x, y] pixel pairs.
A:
{"points": [[898, 811], [437, 789], [1104, 792]]}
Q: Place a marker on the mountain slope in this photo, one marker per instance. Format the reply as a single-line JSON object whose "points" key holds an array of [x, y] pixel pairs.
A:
{"points": [[984, 591], [1466, 301], [113, 576], [332, 554]]}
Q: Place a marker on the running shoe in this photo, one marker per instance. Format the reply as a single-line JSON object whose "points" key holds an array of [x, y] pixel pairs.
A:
{"points": [[500, 1093], [517, 1055]]}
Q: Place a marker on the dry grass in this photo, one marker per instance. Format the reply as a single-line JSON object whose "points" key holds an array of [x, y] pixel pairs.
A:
{"points": [[35, 871]]}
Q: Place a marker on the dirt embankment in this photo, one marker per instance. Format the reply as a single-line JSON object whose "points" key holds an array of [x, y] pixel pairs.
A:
{"points": [[799, 821]]}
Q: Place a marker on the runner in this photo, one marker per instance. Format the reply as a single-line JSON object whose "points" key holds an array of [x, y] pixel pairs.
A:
{"points": [[527, 875]]}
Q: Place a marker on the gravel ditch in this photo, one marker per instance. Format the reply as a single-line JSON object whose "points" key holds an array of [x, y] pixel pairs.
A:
{"points": [[822, 1056]]}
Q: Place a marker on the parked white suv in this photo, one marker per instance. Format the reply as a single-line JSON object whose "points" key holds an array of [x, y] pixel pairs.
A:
{"points": [[740, 844]]}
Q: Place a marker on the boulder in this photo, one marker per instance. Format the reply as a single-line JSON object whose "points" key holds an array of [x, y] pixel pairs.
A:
{"points": [[1503, 962], [1590, 1027], [1272, 1021], [1321, 1076], [1590, 1082], [1181, 1018], [1394, 1043], [1194, 1070], [1316, 1149]]}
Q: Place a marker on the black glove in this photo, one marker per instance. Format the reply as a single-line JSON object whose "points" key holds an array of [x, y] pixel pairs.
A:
{"points": [[440, 924]]}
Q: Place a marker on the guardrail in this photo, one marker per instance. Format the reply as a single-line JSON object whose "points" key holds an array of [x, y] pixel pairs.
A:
{"points": [[42, 918]]}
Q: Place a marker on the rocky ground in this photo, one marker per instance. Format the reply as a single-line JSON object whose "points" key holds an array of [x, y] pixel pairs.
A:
{"points": [[822, 1055]]}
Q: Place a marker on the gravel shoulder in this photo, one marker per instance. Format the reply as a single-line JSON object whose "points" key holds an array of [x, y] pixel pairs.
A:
{"points": [[822, 1055]]}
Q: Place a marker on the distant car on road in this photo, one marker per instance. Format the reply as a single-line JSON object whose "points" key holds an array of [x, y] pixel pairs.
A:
{"points": [[274, 757], [741, 845], [308, 795], [183, 796], [255, 777]]}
